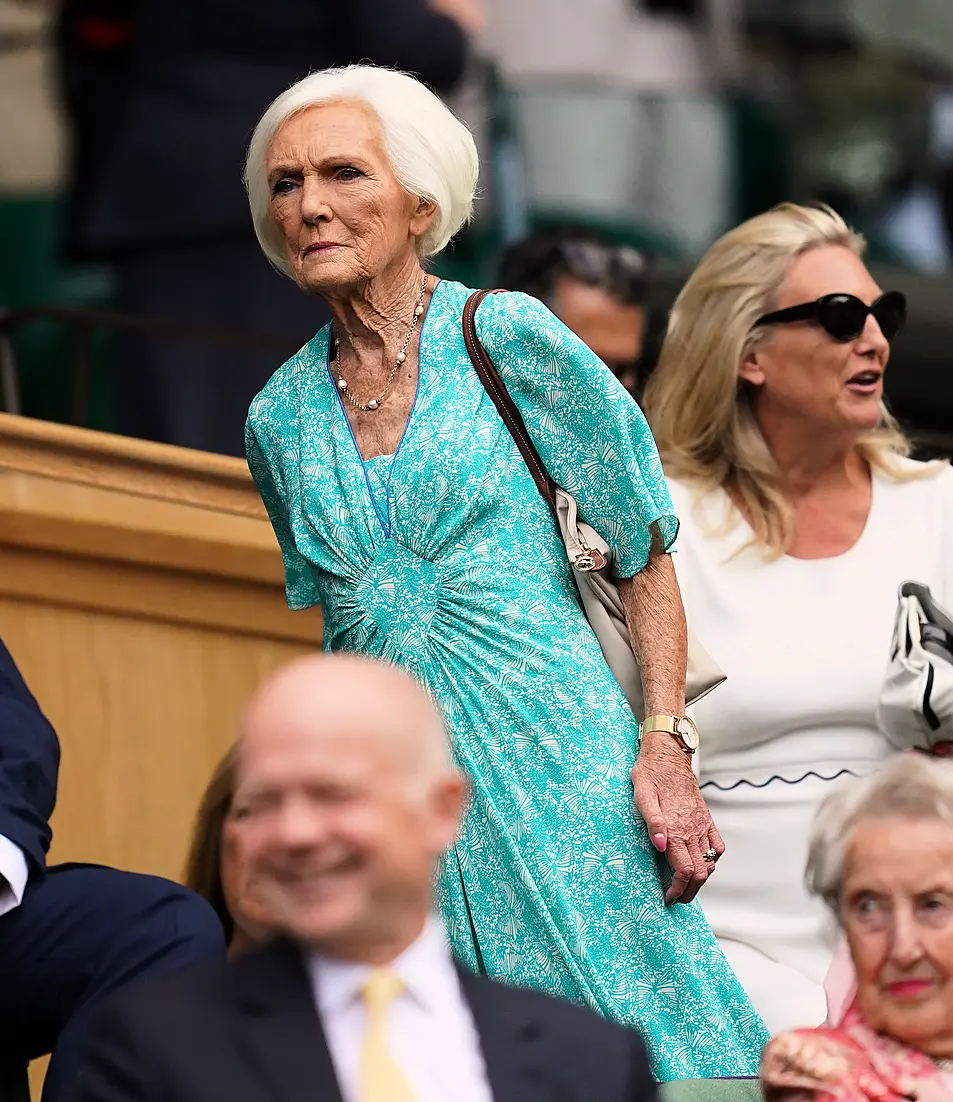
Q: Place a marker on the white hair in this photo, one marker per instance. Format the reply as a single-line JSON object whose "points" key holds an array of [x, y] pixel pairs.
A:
{"points": [[431, 151], [910, 786]]}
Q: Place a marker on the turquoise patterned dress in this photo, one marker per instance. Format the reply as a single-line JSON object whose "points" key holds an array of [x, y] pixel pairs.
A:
{"points": [[444, 559]]}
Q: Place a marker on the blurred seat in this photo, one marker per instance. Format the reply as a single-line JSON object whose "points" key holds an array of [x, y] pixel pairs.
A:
{"points": [[711, 1090]]}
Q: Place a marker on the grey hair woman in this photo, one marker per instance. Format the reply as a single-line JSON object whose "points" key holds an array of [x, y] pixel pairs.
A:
{"points": [[404, 508], [881, 857], [801, 516]]}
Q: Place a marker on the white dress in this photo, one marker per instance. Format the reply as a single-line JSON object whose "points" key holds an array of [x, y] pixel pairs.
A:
{"points": [[805, 644]]}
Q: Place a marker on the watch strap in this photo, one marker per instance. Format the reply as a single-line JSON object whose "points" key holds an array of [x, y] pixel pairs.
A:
{"points": [[670, 725]]}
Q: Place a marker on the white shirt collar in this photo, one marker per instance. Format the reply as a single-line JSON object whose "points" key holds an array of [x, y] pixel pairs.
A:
{"points": [[425, 966]]}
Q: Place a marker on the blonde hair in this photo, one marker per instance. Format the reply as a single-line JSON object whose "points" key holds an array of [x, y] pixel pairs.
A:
{"points": [[701, 412], [431, 151]]}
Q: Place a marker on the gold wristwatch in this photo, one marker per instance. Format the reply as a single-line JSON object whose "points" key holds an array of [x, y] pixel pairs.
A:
{"points": [[680, 728]]}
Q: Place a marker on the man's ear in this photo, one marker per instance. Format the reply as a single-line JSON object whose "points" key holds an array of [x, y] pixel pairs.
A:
{"points": [[450, 797]]}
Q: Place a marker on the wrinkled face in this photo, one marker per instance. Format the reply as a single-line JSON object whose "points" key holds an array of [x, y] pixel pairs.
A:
{"points": [[801, 372], [342, 213], [341, 840], [242, 893], [897, 913], [612, 329]]}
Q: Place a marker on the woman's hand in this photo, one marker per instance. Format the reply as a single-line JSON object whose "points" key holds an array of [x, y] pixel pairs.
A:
{"points": [[666, 792], [802, 1062], [809, 1062], [676, 817]]}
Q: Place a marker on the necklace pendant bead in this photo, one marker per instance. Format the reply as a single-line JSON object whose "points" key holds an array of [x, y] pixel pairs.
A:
{"points": [[419, 310], [342, 384], [401, 356], [373, 404]]}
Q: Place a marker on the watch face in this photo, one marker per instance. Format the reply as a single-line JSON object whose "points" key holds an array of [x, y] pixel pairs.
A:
{"points": [[687, 732]]}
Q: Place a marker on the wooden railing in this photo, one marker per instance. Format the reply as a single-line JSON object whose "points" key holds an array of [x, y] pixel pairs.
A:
{"points": [[141, 593]]}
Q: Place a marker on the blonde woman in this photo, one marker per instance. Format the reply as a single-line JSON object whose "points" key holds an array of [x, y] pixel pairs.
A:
{"points": [[801, 515]]}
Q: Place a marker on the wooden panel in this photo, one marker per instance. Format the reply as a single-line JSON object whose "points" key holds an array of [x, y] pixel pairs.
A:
{"points": [[218, 482], [143, 711], [245, 608], [141, 593]]}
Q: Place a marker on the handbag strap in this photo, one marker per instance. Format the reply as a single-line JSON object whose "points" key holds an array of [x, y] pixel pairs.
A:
{"points": [[506, 407]]}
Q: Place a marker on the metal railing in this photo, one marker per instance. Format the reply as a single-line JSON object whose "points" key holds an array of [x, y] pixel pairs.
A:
{"points": [[83, 325]]}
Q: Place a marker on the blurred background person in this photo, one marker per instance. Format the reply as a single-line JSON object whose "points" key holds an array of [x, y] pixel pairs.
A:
{"points": [[163, 96], [660, 122], [597, 288], [801, 516], [881, 858], [349, 798], [215, 869]]}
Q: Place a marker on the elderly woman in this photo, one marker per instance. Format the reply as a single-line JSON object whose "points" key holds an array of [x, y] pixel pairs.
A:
{"points": [[881, 857], [801, 517], [404, 508]]}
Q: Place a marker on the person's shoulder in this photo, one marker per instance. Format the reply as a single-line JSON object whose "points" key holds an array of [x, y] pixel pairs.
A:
{"points": [[683, 495], [702, 511], [903, 468], [156, 1016], [280, 394], [497, 305], [913, 482], [575, 1028], [510, 314]]}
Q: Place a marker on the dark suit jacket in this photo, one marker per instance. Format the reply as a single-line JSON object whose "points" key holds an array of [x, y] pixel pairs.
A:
{"points": [[249, 1032], [195, 79], [29, 764]]}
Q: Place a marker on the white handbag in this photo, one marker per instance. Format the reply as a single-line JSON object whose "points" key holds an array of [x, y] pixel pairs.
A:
{"points": [[916, 702]]}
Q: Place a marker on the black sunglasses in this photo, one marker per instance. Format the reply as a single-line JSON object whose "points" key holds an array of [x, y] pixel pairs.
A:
{"points": [[844, 316]]}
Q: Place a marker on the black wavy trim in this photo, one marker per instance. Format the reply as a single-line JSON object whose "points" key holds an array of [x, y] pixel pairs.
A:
{"points": [[783, 780]]}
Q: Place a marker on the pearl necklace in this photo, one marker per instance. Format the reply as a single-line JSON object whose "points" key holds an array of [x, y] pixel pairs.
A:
{"points": [[374, 403]]}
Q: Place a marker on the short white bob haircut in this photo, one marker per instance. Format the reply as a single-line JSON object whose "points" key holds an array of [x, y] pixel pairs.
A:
{"points": [[910, 786], [431, 151]]}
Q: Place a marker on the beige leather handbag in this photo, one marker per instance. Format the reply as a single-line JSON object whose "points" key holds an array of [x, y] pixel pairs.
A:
{"points": [[588, 553]]}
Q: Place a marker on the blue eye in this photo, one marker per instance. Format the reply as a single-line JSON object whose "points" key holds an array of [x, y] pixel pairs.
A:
{"points": [[283, 187], [348, 173]]}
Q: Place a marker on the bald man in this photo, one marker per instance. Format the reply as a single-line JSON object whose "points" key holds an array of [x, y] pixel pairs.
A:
{"points": [[346, 799]]}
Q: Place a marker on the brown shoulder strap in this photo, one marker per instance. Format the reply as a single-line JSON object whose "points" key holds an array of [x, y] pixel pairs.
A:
{"points": [[505, 405]]}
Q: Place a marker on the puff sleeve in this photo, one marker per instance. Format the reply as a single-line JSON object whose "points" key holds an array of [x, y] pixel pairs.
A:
{"points": [[589, 432]]}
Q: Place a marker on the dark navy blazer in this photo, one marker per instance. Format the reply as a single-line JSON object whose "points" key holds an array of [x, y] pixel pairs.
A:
{"points": [[249, 1032], [29, 764], [199, 75]]}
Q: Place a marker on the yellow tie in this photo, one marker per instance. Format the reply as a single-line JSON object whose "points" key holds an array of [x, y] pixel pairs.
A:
{"points": [[381, 1080]]}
